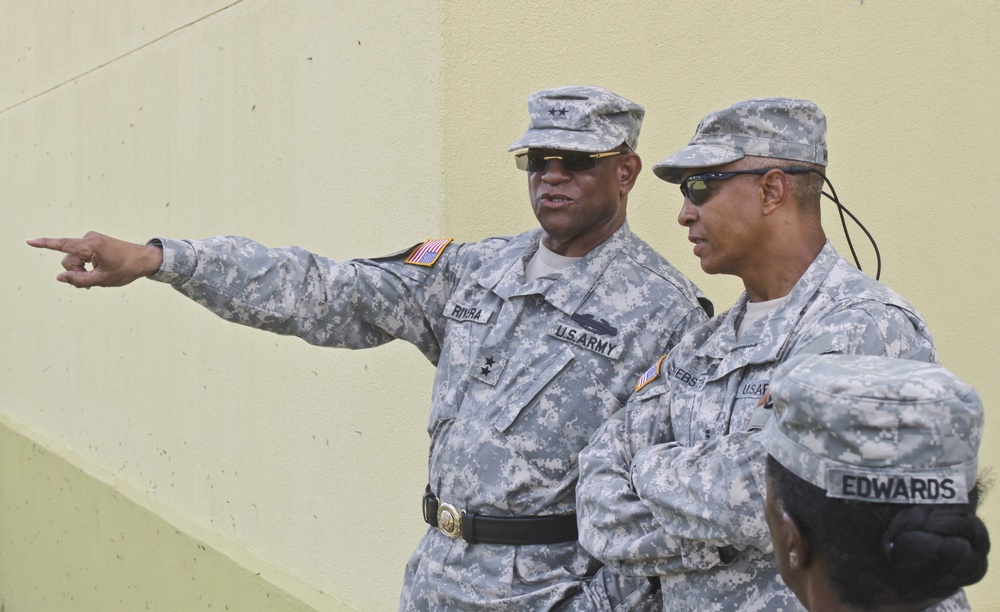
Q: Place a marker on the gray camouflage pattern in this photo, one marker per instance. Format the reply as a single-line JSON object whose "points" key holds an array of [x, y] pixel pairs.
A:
{"points": [[783, 128], [580, 118], [520, 386], [895, 418], [674, 484], [891, 419], [956, 603]]}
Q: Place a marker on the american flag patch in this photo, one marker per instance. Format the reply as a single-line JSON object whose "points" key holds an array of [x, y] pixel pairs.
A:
{"points": [[427, 253], [649, 375]]}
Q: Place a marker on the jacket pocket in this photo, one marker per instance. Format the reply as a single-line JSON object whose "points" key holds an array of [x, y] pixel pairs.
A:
{"points": [[552, 411]]}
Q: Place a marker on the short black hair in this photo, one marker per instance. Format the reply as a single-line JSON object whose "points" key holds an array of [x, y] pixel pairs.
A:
{"points": [[806, 188], [887, 553]]}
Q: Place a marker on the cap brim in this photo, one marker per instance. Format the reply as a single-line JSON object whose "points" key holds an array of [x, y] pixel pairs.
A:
{"points": [[694, 156], [565, 140]]}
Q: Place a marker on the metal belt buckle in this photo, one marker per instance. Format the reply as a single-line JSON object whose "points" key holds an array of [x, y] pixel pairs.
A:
{"points": [[449, 521]]}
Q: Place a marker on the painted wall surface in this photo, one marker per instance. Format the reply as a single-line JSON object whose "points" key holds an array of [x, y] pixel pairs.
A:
{"points": [[76, 538], [361, 128], [315, 123]]}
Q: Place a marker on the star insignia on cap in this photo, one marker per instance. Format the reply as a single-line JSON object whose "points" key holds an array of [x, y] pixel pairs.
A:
{"points": [[560, 111]]}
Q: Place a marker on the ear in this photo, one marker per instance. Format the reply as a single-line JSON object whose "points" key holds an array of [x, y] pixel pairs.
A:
{"points": [[797, 546], [628, 171], [773, 191]]}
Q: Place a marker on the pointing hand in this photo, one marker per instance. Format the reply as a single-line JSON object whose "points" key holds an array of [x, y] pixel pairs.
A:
{"points": [[113, 262]]}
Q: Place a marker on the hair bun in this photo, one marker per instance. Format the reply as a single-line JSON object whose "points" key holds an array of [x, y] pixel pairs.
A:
{"points": [[942, 547]]}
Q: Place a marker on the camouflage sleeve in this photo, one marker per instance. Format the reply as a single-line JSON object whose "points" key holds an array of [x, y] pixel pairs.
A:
{"points": [[655, 506], [707, 496], [616, 526], [356, 304]]}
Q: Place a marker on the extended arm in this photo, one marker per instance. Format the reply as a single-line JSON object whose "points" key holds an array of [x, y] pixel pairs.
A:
{"points": [[288, 290]]}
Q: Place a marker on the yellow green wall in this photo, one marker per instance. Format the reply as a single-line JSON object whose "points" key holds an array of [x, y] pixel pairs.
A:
{"points": [[359, 129], [75, 539]]}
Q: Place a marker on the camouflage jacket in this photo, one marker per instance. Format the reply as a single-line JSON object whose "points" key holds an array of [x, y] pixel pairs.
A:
{"points": [[525, 372], [956, 603], [673, 486]]}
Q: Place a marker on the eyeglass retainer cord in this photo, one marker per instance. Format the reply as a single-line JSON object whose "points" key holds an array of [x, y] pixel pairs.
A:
{"points": [[841, 209]]}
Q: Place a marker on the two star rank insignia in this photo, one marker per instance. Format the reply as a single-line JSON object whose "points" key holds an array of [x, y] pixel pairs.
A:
{"points": [[487, 366]]}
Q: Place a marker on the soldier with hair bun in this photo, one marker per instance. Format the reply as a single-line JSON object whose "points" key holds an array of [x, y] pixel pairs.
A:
{"points": [[872, 484]]}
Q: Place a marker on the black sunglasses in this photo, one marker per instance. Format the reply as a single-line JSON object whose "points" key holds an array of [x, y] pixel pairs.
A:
{"points": [[695, 187], [572, 161]]}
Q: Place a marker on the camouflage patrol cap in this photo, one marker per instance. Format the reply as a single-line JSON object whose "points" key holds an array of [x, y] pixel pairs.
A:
{"points": [[875, 429], [580, 118], [783, 128]]}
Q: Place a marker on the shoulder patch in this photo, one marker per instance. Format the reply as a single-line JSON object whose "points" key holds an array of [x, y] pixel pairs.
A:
{"points": [[427, 254], [649, 375]]}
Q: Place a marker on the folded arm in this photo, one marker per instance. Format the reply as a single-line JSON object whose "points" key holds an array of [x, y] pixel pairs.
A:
{"points": [[668, 509]]}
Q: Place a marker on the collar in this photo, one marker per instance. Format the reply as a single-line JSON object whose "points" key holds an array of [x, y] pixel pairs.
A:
{"points": [[504, 274], [765, 340]]}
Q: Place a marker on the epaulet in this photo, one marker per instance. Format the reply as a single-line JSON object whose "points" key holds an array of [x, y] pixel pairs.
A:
{"points": [[649, 375], [427, 254]]}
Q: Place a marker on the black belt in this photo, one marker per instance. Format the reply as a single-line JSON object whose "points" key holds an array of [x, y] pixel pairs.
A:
{"points": [[511, 530]]}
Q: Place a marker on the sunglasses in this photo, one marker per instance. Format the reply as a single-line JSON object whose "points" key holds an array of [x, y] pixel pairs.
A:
{"points": [[572, 161], [695, 187]]}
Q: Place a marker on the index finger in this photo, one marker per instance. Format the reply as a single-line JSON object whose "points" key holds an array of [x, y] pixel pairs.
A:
{"points": [[63, 245]]}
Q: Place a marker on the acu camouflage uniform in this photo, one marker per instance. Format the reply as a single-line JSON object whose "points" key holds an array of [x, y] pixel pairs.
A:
{"points": [[526, 372], [842, 418], [674, 485]]}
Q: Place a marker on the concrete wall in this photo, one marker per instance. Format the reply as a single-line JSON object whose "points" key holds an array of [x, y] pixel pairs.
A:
{"points": [[359, 129]]}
